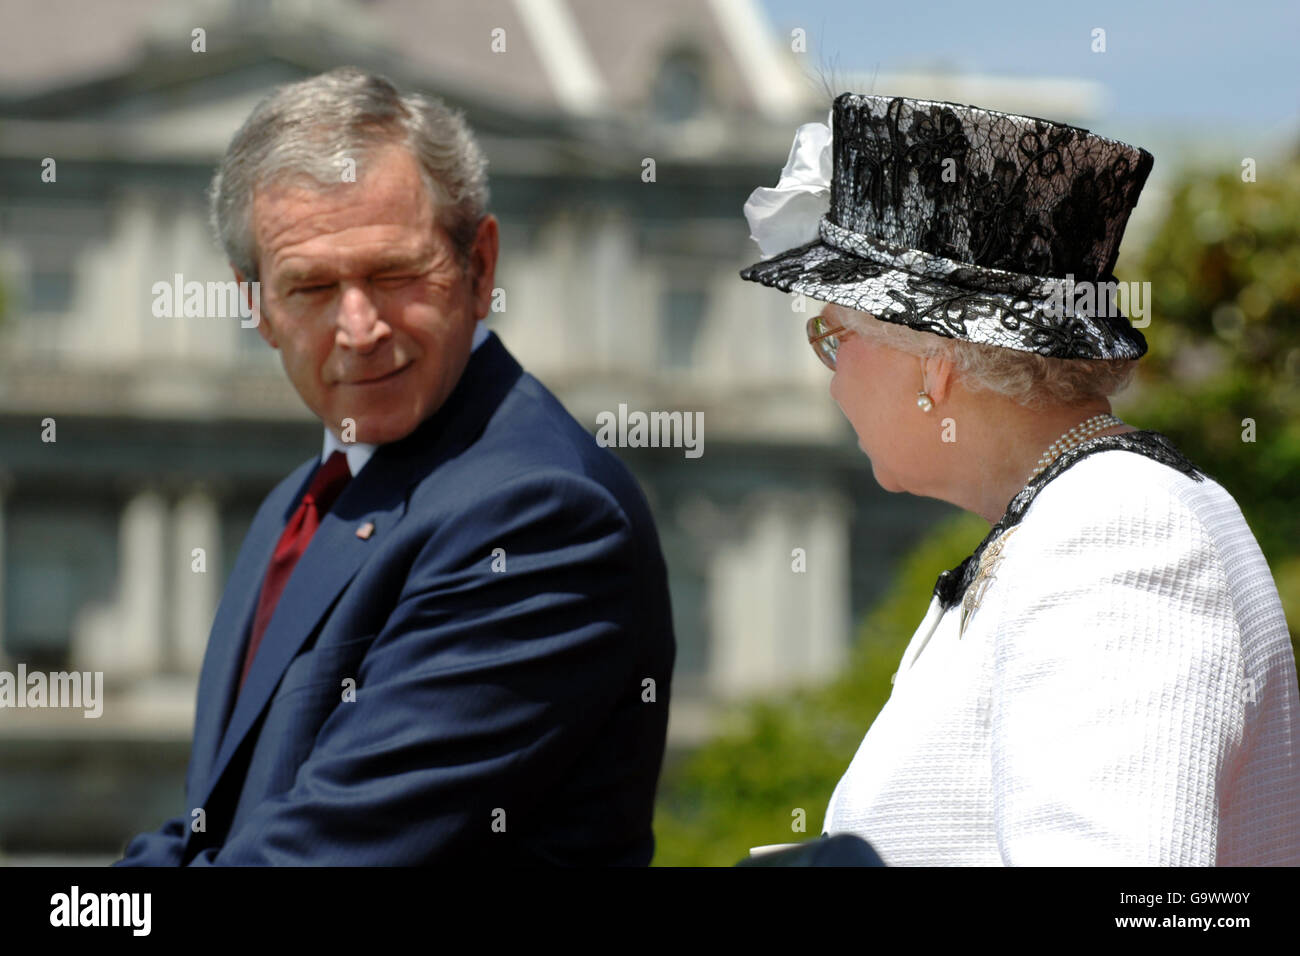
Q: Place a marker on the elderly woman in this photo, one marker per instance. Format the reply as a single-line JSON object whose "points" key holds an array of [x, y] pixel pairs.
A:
{"points": [[1108, 678]]}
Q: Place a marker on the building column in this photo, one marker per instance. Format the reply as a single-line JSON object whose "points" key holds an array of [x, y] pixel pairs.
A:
{"points": [[126, 641], [196, 560], [828, 598], [5, 482], [779, 596]]}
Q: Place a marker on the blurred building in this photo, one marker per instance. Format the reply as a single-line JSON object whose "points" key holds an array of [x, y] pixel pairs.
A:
{"points": [[116, 537]]}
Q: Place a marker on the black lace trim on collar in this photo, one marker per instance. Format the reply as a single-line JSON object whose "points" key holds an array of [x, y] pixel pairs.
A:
{"points": [[952, 584]]}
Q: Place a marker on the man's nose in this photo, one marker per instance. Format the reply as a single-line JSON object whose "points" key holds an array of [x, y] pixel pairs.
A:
{"points": [[359, 326]]}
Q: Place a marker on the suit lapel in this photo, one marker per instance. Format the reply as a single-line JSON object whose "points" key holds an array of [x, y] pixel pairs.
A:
{"points": [[230, 628], [329, 563], [377, 495]]}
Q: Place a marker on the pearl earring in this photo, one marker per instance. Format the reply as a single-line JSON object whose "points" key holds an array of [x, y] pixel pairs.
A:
{"points": [[923, 399]]}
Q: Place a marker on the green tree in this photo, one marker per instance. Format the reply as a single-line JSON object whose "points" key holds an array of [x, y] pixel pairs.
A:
{"points": [[1221, 378], [787, 753]]}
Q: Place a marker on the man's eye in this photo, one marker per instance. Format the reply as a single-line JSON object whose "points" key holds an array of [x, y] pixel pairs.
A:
{"points": [[394, 280], [311, 289]]}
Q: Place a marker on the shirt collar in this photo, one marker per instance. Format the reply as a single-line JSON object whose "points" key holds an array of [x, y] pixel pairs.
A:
{"points": [[358, 453]]}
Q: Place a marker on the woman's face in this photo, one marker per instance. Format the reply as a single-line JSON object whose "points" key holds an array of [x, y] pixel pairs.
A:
{"points": [[875, 387]]}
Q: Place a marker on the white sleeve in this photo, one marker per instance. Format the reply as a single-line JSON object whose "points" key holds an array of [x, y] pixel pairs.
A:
{"points": [[1118, 683]]}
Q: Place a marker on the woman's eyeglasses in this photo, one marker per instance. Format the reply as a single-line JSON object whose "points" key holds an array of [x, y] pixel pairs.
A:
{"points": [[825, 339]]}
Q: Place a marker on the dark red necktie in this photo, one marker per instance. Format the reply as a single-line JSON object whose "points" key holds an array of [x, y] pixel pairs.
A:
{"points": [[325, 486]]}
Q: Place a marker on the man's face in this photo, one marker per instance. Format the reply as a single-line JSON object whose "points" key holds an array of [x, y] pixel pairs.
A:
{"points": [[364, 296]]}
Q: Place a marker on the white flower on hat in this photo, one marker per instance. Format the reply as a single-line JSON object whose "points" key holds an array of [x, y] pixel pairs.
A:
{"points": [[787, 216]]}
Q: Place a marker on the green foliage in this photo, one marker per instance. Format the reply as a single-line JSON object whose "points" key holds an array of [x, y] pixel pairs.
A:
{"points": [[788, 752], [1225, 349]]}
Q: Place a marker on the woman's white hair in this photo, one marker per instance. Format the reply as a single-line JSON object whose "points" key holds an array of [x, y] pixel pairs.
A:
{"points": [[311, 129], [1032, 380]]}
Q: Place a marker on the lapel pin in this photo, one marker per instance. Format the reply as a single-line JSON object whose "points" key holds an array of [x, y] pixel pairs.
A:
{"points": [[366, 530]]}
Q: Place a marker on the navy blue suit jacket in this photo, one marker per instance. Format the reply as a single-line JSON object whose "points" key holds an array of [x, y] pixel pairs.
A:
{"points": [[500, 716]]}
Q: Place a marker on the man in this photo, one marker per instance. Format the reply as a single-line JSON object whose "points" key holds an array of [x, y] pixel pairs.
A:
{"points": [[449, 638]]}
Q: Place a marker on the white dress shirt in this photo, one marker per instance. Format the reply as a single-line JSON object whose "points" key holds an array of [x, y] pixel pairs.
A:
{"points": [[358, 453], [1125, 693]]}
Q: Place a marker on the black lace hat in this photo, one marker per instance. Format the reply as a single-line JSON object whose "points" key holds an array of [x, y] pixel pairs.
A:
{"points": [[972, 224]]}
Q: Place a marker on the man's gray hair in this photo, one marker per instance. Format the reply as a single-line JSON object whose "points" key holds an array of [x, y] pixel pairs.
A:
{"points": [[310, 129]]}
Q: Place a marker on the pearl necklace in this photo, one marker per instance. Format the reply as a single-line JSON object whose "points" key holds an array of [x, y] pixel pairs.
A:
{"points": [[1075, 436]]}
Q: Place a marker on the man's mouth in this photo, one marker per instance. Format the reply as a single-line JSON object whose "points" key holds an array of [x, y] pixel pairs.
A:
{"points": [[379, 379]]}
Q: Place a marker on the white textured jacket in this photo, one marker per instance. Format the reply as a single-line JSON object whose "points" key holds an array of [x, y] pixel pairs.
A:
{"points": [[1124, 691]]}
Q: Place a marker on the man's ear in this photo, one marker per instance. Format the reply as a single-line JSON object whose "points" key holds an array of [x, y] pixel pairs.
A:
{"points": [[483, 264], [937, 374], [254, 304]]}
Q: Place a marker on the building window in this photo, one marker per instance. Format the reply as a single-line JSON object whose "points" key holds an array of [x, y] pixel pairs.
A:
{"points": [[60, 557], [49, 291], [679, 88], [683, 309]]}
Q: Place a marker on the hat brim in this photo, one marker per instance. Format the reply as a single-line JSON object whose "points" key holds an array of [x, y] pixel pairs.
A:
{"points": [[827, 274]]}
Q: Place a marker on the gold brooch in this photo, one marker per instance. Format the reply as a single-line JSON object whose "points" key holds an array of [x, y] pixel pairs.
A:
{"points": [[984, 576]]}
